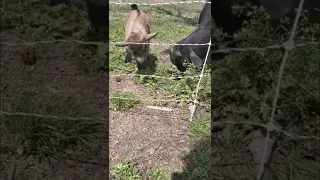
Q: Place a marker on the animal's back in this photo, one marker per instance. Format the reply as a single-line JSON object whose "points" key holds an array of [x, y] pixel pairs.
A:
{"points": [[141, 24], [137, 21], [199, 36], [131, 19], [205, 15]]}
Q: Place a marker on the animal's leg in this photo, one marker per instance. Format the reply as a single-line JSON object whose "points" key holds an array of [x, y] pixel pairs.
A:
{"points": [[141, 65], [128, 56]]}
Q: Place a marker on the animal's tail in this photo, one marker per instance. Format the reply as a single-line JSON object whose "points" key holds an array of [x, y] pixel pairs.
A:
{"points": [[134, 7]]}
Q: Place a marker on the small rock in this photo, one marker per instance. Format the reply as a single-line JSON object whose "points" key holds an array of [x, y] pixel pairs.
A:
{"points": [[151, 151], [118, 79], [30, 68], [20, 150]]}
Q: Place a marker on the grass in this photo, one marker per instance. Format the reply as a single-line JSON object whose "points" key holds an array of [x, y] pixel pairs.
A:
{"points": [[242, 87], [200, 128], [198, 161], [51, 23], [248, 93], [46, 137], [124, 101], [89, 59], [41, 21], [198, 168], [47, 22], [59, 143], [127, 169], [172, 23], [167, 22]]}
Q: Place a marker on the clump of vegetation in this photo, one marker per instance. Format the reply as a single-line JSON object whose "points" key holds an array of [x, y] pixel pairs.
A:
{"points": [[91, 59], [47, 22], [168, 22], [52, 21], [243, 88], [49, 136], [124, 101], [252, 76], [127, 169]]}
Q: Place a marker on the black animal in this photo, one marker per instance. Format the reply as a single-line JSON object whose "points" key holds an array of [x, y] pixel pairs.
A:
{"points": [[231, 22], [223, 17], [179, 54], [227, 20], [278, 9]]}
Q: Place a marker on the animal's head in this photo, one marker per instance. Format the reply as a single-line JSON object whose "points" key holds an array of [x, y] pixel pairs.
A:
{"points": [[178, 59], [194, 58], [138, 51]]}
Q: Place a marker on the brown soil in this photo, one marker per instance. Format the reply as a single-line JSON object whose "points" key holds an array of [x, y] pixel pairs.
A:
{"points": [[155, 139]]}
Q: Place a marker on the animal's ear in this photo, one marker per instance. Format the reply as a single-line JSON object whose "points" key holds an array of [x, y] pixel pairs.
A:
{"points": [[175, 51], [165, 52], [194, 58], [150, 36]]}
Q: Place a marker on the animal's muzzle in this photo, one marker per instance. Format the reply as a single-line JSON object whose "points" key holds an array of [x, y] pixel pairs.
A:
{"points": [[141, 59]]}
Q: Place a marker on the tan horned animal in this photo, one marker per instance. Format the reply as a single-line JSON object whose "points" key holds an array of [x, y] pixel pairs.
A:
{"points": [[137, 31]]}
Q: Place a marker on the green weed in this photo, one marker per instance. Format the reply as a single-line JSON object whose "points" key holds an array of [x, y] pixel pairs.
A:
{"points": [[47, 136], [124, 101], [125, 170]]}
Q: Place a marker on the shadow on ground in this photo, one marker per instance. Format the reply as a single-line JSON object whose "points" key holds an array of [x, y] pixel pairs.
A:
{"points": [[198, 164]]}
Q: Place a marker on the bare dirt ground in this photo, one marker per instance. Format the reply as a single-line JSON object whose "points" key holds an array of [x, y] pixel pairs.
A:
{"points": [[155, 139], [53, 74]]}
